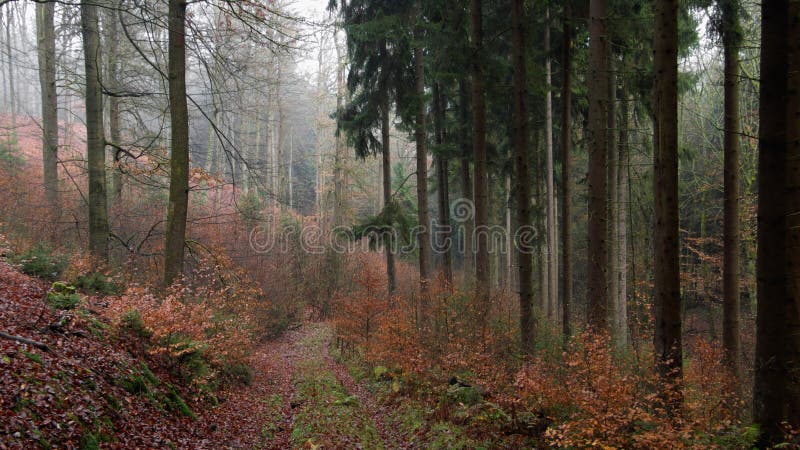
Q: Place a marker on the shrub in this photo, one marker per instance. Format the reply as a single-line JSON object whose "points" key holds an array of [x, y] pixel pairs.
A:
{"points": [[132, 321], [87, 273], [40, 261], [96, 283], [63, 296], [202, 328]]}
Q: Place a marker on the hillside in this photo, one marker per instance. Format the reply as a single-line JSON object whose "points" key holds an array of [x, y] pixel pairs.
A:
{"points": [[78, 386]]}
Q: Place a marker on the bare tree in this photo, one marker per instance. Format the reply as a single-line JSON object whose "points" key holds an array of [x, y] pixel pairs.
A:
{"points": [[46, 51], [95, 142], [179, 161]]}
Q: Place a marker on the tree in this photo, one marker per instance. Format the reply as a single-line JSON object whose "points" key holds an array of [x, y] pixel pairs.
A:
{"points": [[179, 161], [46, 51], [481, 177], [621, 237], [522, 177], [666, 269], [442, 180], [776, 391], [423, 236], [597, 290], [617, 330], [95, 142], [376, 81], [566, 223], [552, 246], [466, 178], [731, 39], [112, 83]]}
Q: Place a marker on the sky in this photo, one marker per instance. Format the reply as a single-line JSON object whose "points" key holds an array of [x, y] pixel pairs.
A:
{"points": [[311, 10]]}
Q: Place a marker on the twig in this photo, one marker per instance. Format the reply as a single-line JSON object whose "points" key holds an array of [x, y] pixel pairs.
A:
{"points": [[37, 344]]}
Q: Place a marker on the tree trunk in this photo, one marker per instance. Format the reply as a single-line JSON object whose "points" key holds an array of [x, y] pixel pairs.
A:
{"points": [[540, 203], [338, 182], [566, 224], [731, 341], [622, 221], [509, 244], [791, 210], [522, 177], [597, 289], [466, 181], [46, 45], [482, 274], [95, 143], [775, 391], [179, 162], [281, 141], [12, 91], [386, 155], [422, 168], [442, 176], [552, 246], [617, 332], [112, 68], [666, 269]]}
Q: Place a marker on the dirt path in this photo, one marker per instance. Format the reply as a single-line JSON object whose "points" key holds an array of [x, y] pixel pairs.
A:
{"points": [[300, 398], [377, 412], [260, 415]]}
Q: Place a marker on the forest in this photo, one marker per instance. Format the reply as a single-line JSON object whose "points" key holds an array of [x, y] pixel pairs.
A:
{"points": [[399, 224]]}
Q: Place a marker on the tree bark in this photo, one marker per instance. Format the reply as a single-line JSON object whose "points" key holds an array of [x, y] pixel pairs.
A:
{"points": [[46, 43], [522, 176], [622, 220], [466, 180], [566, 223], [731, 341], [792, 213], [597, 289], [386, 166], [617, 332], [112, 69], [423, 236], [12, 91], [775, 391], [95, 143], [442, 176], [552, 246], [179, 162], [482, 274], [666, 269]]}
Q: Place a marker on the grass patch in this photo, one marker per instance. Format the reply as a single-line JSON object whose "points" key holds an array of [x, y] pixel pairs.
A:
{"points": [[33, 357], [327, 410]]}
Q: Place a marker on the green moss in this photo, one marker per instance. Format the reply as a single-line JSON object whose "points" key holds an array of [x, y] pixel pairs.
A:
{"points": [[173, 402], [135, 384], [33, 357], [90, 442]]}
